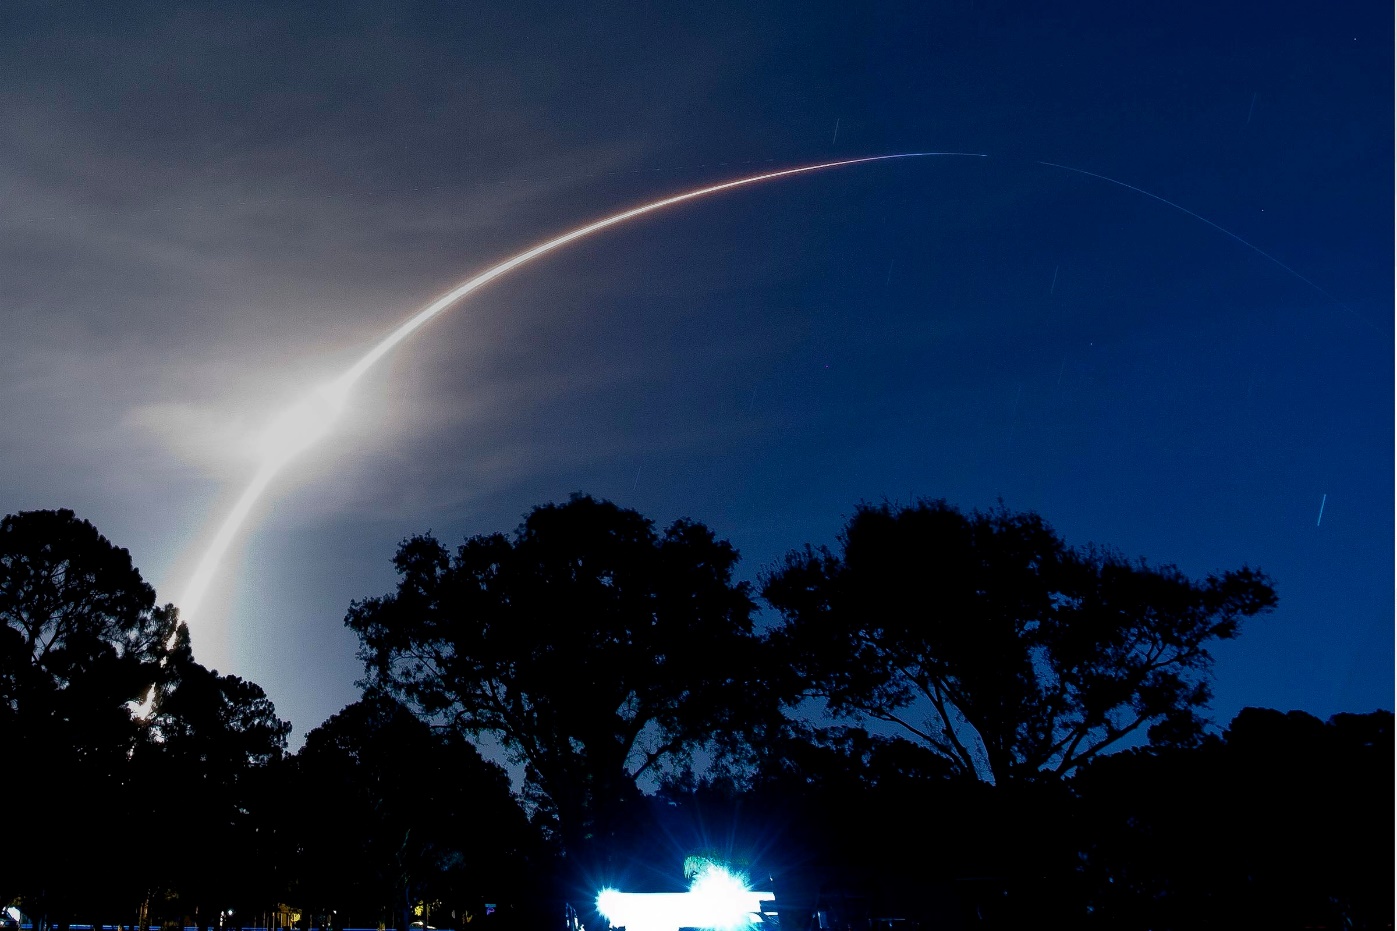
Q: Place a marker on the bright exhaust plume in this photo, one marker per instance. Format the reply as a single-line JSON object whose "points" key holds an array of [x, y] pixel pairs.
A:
{"points": [[309, 420]]}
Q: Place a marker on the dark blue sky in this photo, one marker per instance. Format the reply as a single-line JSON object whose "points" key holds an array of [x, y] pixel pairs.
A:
{"points": [[205, 212]]}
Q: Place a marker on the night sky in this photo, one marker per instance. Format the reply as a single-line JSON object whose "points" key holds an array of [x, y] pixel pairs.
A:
{"points": [[203, 213]]}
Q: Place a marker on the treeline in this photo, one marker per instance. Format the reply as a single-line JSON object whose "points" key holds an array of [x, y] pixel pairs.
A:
{"points": [[953, 719]]}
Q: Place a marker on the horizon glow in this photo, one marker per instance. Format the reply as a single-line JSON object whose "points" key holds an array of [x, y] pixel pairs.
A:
{"points": [[307, 421]]}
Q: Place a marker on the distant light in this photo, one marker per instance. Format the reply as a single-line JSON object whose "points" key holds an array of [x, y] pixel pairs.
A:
{"points": [[717, 900]]}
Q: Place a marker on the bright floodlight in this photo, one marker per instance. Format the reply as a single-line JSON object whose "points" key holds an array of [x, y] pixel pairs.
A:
{"points": [[717, 900], [722, 900]]}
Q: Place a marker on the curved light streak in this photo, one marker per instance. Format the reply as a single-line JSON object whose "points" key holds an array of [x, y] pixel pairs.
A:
{"points": [[310, 420], [1227, 232]]}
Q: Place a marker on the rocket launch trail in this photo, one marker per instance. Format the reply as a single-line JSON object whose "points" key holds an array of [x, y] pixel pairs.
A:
{"points": [[311, 419]]}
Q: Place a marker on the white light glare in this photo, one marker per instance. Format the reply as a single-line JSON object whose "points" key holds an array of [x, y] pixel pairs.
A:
{"points": [[723, 901], [717, 900], [302, 425], [291, 433]]}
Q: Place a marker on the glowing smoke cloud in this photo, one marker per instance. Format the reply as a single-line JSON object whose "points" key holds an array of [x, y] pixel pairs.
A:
{"points": [[310, 420]]}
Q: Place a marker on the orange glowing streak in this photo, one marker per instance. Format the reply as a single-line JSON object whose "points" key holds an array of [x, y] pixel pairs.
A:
{"points": [[299, 428]]}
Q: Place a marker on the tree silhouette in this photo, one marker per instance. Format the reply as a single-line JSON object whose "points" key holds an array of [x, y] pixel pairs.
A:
{"points": [[593, 648], [985, 637], [81, 640], [1283, 822], [202, 766], [867, 826], [82, 635], [389, 814]]}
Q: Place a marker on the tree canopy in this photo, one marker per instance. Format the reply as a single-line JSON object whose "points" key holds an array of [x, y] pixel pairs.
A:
{"points": [[602, 652], [594, 648], [1006, 652], [1283, 821], [391, 813], [81, 640], [203, 763], [82, 636], [225, 724]]}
